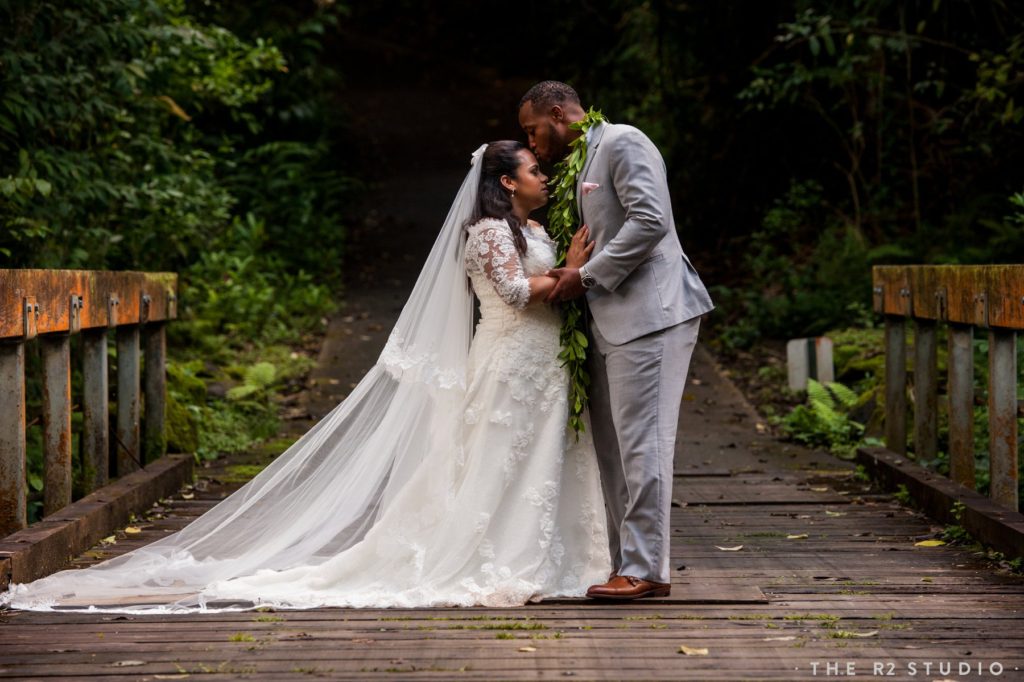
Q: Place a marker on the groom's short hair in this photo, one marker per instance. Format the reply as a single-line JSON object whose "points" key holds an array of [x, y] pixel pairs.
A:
{"points": [[547, 94]]}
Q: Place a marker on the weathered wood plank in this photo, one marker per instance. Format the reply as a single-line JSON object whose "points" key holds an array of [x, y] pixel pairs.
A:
{"points": [[52, 291], [13, 488]]}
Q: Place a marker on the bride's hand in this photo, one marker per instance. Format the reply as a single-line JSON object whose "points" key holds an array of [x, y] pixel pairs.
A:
{"points": [[579, 249]]}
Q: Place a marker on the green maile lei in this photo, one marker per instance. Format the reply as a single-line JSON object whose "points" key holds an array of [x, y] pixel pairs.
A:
{"points": [[563, 221]]}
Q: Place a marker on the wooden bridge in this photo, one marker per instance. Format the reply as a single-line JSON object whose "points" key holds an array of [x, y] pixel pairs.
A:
{"points": [[787, 563]]}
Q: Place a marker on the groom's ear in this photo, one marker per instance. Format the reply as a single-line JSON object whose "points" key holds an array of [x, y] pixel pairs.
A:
{"points": [[557, 113]]}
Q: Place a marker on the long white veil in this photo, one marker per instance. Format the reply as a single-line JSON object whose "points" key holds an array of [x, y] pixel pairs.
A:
{"points": [[323, 494]]}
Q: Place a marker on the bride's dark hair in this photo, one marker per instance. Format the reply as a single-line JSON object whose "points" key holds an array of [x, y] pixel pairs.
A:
{"points": [[493, 200]]}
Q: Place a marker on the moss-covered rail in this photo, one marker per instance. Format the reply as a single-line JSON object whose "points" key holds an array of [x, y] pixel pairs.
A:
{"points": [[48, 307]]}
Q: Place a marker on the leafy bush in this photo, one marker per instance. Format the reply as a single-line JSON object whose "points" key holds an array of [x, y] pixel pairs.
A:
{"points": [[824, 420]]}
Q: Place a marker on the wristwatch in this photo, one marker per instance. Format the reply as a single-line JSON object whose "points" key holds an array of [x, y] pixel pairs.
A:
{"points": [[586, 278]]}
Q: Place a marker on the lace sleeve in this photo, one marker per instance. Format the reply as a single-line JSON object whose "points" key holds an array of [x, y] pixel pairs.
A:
{"points": [[491, 249]]}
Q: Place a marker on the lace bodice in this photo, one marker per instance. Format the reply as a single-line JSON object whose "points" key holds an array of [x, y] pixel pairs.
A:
{"points": [[499, 274]]}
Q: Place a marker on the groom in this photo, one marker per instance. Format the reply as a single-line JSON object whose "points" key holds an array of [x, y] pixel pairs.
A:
{"points": [[644, 302]]}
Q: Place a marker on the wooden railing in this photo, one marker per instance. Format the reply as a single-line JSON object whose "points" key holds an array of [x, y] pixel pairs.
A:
{"points": [[965, 298], [53, 305]]}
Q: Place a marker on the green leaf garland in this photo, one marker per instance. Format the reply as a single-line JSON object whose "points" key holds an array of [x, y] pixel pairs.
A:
{"points": [[563, 221]]}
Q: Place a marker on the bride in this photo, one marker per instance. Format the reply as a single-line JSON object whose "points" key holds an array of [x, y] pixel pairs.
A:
{"points": [[447, 477]]}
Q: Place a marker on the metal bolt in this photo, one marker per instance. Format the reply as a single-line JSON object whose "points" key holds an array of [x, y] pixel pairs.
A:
{"points": [[146, 299], [28, 307], [37, 310]]}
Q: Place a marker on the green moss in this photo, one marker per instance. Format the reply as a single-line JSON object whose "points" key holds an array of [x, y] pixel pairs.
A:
{"points": [[183, 382], [241, 473], [182, 427]]}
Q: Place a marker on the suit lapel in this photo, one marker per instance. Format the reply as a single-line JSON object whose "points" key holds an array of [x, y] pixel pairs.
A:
{"points": [[596, 133]]}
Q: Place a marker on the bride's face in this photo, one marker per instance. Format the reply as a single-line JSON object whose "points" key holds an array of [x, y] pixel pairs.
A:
{"points": [[531, 184]]}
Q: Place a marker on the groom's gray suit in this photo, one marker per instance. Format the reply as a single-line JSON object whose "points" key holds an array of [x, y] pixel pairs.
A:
{"points": [[643, 318]]}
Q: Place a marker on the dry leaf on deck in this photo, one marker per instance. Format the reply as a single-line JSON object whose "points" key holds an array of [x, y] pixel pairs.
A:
{"points": [[797, 536], [692, 651], [930, 543], [730, 549]]}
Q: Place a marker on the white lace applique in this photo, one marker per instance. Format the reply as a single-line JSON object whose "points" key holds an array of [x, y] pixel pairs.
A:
{"points": [[403, 362], [491, 249]]}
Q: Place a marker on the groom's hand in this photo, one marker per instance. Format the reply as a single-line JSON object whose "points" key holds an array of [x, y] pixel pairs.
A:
{"points": [[568, 287]]}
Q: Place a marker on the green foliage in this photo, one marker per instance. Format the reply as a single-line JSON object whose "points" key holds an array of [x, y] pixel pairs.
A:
{"points": [[158, 135], [824, 419], [563, 221], [955, 532], [258, 378]]}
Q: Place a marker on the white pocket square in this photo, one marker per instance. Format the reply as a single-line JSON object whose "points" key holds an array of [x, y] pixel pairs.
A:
{"points": [[589, 187]]}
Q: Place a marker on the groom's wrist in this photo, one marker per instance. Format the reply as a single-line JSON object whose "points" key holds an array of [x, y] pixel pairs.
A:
{"points": [[586, 278]]}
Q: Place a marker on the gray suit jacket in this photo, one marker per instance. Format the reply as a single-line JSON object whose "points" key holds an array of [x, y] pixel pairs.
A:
{"points": [[645, 283]]}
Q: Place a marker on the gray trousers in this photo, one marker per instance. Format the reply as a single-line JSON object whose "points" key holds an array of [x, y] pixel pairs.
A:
{"points": [[635, 395]]}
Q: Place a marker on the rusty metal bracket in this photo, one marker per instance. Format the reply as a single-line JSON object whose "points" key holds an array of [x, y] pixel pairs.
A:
{"points": [[908, 302], [112, 303], [981, 309], [172, 305], [75, 314], [30, 310], [144, 308], [941, 305]]}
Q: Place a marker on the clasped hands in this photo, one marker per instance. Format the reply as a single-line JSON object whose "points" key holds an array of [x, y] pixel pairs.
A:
{"points": [[569, 285]]}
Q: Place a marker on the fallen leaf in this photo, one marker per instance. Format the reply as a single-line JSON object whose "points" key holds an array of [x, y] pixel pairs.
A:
{"points": [[927, 580], [829, 512], [124, 664], [187, 496], [930, 543], [730, 549], [842, 634], [821, 489], [797, 536], [528, 649], [692, 651], [132, 530], [780, 639], [109, 540]]}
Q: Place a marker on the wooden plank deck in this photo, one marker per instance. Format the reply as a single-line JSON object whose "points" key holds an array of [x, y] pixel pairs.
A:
{"points": [[855, 591]]}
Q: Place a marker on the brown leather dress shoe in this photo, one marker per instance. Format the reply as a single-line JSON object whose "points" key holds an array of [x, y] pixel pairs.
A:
{"points": [[628, 587]]}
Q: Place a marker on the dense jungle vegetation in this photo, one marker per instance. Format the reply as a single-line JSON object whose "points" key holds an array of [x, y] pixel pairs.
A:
{"points": [[806, 141]]}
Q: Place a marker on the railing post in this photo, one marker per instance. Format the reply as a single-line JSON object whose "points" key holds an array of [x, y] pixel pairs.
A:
{"points": [[127, 399], [155, 380], [13, 488], [961, 404], [926, 389], [1002, 416], [895, 384], [56, 352], [95, 413]]}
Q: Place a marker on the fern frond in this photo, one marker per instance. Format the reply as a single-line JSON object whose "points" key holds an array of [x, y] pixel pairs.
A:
{"points": [[844, 395]]}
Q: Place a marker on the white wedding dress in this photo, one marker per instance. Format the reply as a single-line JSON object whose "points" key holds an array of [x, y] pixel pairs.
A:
{"points": [[516, 514], [447, 478]]}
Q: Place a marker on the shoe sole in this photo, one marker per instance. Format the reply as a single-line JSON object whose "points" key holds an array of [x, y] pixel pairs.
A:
{"points": [[627, 597]]}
